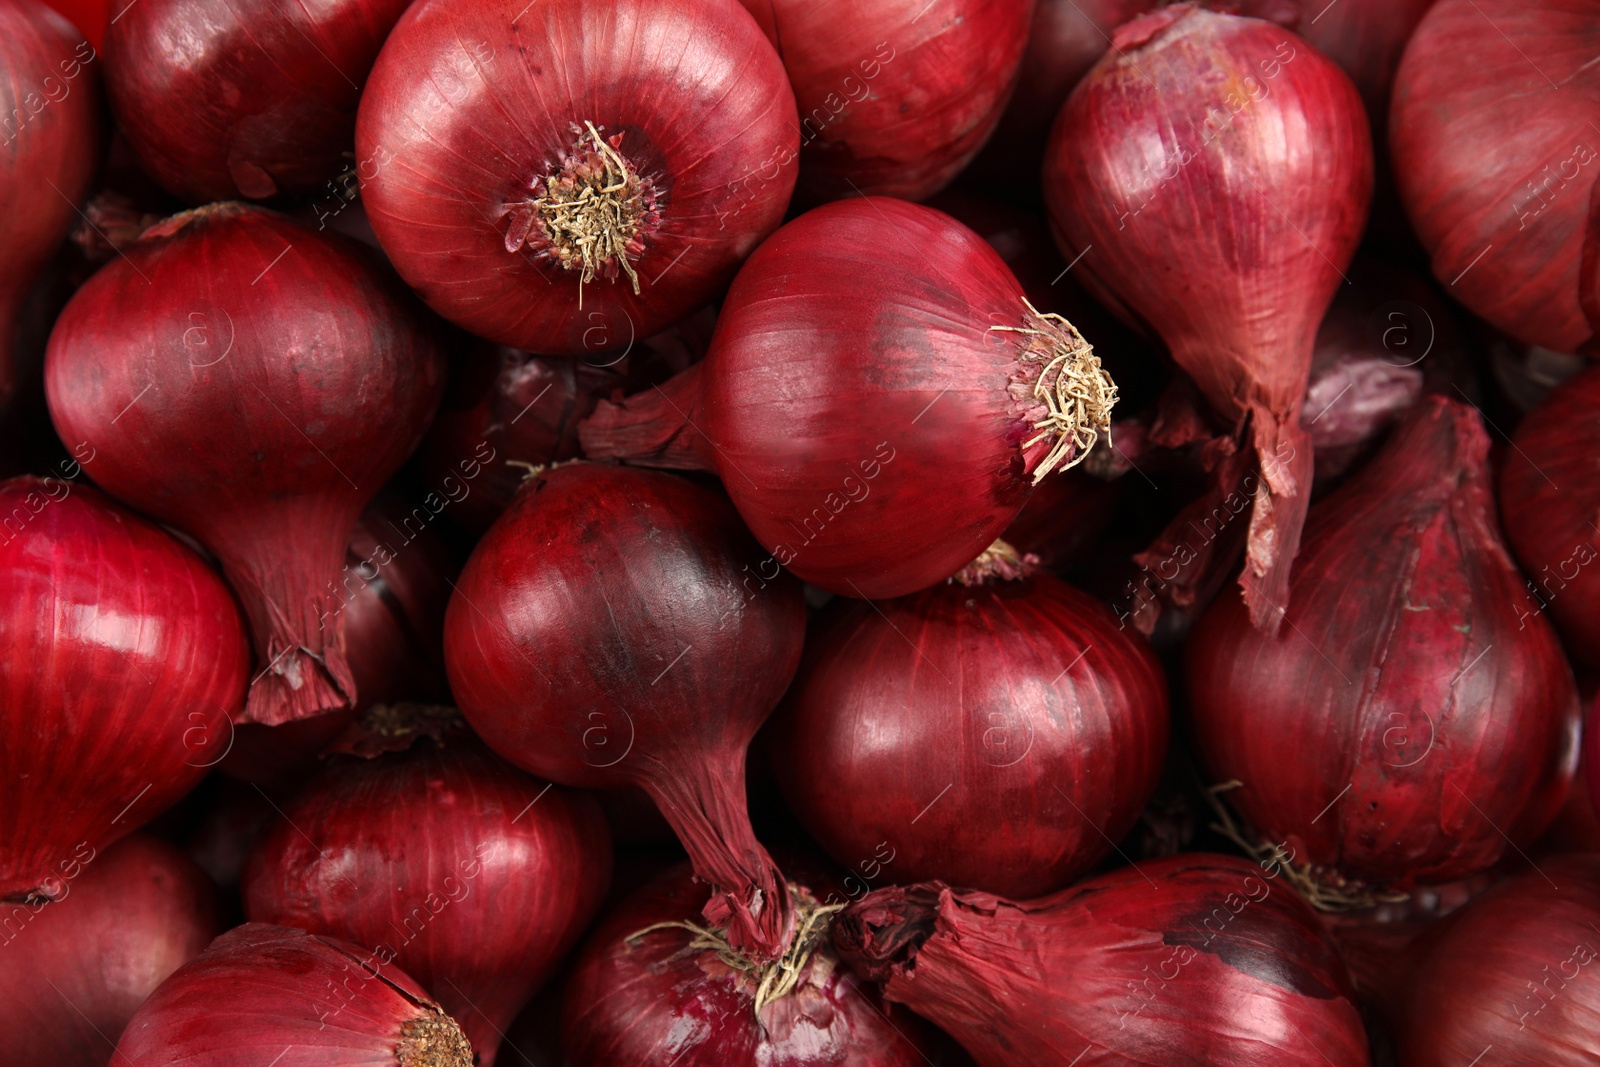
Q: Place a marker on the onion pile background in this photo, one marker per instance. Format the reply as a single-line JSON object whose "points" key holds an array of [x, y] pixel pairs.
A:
{"points": [[798, 533]]}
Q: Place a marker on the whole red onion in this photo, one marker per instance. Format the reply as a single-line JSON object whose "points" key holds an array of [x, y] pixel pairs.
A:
{"points": [[934, 397], [1496, 169], [224, 99], [618, 627], [1195, 959], [229, 368], [1213, 173], [125, 660], [998, 733], [1411, 713], [556, 168], [269, 995], [895, 96], [77, 968]]}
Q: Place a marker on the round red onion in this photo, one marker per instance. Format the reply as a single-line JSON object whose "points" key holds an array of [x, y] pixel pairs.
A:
{"points": [[1495, 169], [77, 968], [126, 658], [935, 395], [1412, 712], [1214, 175], [547, 170], [228, 368], [272, 995], [1195, 959], [996, 733]]}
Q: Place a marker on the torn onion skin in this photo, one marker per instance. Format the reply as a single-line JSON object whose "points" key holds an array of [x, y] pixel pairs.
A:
{"points": [[1214, 173], [1412, 708], [1209, 961], [227, 368], [547, 172]]}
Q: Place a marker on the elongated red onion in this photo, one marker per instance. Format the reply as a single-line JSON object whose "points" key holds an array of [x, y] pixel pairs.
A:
{"points": [[998, 735], [935, 395], [125, 660], [228, 369], [1496, 169], [1412, 712], [553, 169], [1195, 959], [1214, 175], [666, 995], [77, 968], [895, 96], [618, 627], [266, 994]]}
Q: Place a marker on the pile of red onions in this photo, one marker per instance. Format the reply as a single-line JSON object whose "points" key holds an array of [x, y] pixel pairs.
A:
{"points": [[1213, 179], [227, 369], [934, 398]]}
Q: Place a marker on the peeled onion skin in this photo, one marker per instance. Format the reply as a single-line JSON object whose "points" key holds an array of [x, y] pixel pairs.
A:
{"points": [[1496, 170], [1227, 235], [1206, 961], [125, 659], [1410, 711], [228, 368], [707, 125]]}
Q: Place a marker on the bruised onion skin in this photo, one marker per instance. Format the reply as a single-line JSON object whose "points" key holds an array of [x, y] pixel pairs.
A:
{"points": [[475, 877], [998, 736], [706, 123], [1411, 709], [1193, 959], [1495, 170], [76, 969], [895, 96], [223, 99], [228, 368], [639, 1002], [619, 627], [1214, 172], [124, 658], [271, 996]]}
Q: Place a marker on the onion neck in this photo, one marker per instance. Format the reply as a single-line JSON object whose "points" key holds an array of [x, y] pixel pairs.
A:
{"points": [[655, 428]]}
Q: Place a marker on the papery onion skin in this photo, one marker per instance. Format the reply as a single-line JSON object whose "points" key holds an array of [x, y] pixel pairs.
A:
{"points": [[1496, 170], [999, 736], [125, 659], [701, 104], [1411, 709], [1214, 172], [228, 368], [895, 96], [1193, 959], [618, 627], [652, 1001], [477, 877], [224, 99], [269, 995]]}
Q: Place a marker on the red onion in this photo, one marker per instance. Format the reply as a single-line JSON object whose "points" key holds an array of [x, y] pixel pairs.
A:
{"points": [[1550, 501], [895, 96], [1195, 959], [1411, 713], [272, 995], [1495, 169], [228, 369], [998, 732], [648, 990], [223, 99], [618, 627], [934, 396], [553, 169], [1215, 175], [77, 968], [125, 659]]}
